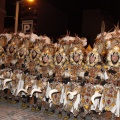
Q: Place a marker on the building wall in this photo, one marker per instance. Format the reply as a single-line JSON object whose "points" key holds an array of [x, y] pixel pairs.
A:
{"points": [[51, 20], [91, 25], [2, 15]]}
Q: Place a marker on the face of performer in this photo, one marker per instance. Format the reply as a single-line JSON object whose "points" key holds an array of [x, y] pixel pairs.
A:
{"points": [[1, 40], [91, 58], [34, 53], [21, 52], [11, 49], [114, 58], [76, 57], [45, 59], [59, 58], [26, 42], [1, 50]]}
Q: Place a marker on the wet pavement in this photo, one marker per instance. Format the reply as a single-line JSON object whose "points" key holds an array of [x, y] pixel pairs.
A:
{"points": [[15, 112]]}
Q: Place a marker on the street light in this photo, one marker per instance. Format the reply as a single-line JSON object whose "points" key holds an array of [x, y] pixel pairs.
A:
{"points": [[17, 12], [30, 0]]}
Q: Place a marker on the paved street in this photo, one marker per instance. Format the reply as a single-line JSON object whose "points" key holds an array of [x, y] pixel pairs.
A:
{"points": [[15, 112]]}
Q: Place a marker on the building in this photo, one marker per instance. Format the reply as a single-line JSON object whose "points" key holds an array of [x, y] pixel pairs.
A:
{"points": [[29, 11], [47, 19], [2, 15]]}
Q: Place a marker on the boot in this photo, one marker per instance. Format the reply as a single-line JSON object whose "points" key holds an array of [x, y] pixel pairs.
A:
{"points": [[51, 112], [25, 106], [67, 117], [75, 118], [13, 101], [33, 108], [39, 104], [38, 109], [2, 99], [5, 95], [45, 111], [60, 115], [5, 99], [9, 100], [17, 99], [113, 117]]}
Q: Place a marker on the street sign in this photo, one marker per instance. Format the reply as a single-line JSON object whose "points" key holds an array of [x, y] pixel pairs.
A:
{"points": [[27, 26]]}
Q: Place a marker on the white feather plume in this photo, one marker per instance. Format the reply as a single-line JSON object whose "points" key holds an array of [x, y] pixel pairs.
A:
{"points": [[22, 90], [5, 81], [71, 94], [96, 94], [22, 35], [84, 41], [8, 36], [68, 38], [46, 39], [35, 90], [33, 37], [51, 92]]}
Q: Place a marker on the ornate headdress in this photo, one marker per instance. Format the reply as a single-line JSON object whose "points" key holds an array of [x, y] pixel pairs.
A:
{"points": [[24, 49], [94, 53], [107, 40], [114, 50], [1, 50], [12, 44], [3, 40], [17, 40], [76, 50], [60, 52], [48, 51], [37, 49]]}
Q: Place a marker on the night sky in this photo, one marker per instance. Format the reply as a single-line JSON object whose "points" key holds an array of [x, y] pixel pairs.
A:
{"points": [[74, 10]]}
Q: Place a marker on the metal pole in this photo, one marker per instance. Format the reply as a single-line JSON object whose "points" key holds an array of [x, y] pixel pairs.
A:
{"points": [[16, 16]]}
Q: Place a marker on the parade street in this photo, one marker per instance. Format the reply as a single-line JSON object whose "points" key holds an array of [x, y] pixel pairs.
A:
{"points": [[15, 112]]}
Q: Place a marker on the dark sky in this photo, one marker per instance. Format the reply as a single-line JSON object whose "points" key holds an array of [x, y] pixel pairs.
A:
{"points": [[73, 9]]}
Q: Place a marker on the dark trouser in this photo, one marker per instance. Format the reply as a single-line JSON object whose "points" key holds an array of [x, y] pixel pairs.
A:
{"points": [[46, 104], [5, 93]]}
